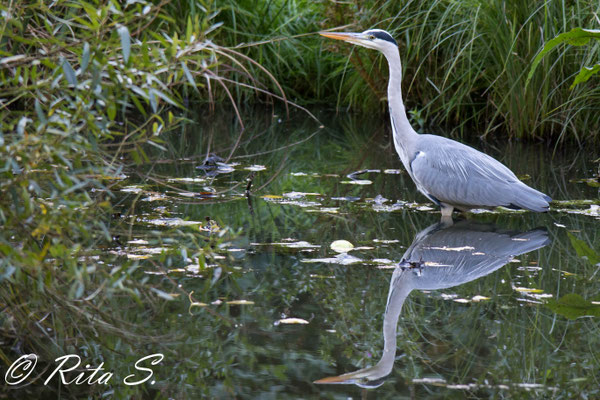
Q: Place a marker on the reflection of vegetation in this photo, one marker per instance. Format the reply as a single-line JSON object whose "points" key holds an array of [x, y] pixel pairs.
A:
{"points": [[224, 349], [574, 306], [583, 250]]}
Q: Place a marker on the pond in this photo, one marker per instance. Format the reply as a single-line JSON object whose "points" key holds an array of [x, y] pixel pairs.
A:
{"points": [[320, 273]]}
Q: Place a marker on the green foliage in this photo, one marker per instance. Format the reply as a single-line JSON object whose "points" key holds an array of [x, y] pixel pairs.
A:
{"points": [[465, 62], [584, 74], [86, 88], [83, 86], [575, 37]]}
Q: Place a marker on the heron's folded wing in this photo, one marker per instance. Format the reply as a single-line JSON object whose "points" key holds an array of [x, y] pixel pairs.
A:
{"points": [[458, 174]]}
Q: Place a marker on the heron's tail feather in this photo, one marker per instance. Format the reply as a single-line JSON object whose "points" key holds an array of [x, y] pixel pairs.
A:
{"points": [[530, 199]]}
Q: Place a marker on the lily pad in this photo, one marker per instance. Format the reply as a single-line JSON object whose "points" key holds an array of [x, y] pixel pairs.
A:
{"points": [[341, 246], [291, 321]]}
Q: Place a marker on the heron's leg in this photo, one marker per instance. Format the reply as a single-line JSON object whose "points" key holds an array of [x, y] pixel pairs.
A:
{"points": [[447, 210], [447, 214]]}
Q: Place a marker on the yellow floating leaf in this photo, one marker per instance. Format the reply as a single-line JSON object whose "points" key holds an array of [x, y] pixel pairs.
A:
{"points": [[138, 256], [240, 302], [358, 182], [341, 246], [194, 303], [271, 196], [528, 290], [292, 321], [461, 300]]}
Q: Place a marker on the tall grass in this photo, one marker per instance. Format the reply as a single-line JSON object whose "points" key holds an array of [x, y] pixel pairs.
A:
{"points": [[465, 62]]}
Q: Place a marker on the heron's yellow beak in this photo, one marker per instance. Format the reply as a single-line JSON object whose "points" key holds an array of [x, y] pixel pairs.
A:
{"points": [[345, 36]]}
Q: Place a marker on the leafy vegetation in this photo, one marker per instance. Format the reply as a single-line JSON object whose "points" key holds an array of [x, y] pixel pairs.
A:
{"points": [[465, 63], [86, 89], [575, 37]]}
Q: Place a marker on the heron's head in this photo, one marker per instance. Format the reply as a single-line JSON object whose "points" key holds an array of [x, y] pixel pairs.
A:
{"points": [[373, 39]]}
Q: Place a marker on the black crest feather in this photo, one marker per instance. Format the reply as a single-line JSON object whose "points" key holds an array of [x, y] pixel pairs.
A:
{"points": [[383, 36]]}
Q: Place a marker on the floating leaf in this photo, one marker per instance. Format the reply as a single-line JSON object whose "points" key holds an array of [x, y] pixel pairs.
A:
{"points": [[341, 259], [341, 246], [574, 306], [528, 290], [171, 222], [240, 302], [255, 168], [298, 195], [290, 321], [358, 182], [593, 182], [291, 245]]}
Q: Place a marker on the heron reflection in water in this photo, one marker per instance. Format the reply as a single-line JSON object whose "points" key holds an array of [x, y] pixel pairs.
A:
{"points": [[440, 257]]}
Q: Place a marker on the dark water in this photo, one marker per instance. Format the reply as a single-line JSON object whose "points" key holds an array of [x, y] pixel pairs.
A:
{"points": [[500, 305]]}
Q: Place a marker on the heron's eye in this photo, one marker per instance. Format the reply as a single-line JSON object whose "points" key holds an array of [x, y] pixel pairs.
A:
{"points": [[371, 37]]}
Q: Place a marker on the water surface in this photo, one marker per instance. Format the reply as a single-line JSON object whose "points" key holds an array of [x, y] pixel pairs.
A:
{"points": [[499, 305]]}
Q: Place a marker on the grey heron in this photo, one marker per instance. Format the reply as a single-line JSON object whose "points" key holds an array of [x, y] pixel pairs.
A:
{"points": [[449, 173], [441, 256]]}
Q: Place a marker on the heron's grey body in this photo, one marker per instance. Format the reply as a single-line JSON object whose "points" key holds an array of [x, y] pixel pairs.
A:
{"points": [[449, 173]]}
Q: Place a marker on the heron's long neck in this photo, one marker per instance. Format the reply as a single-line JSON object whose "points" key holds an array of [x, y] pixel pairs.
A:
{"points": [[399, 290], [404, 134]]}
